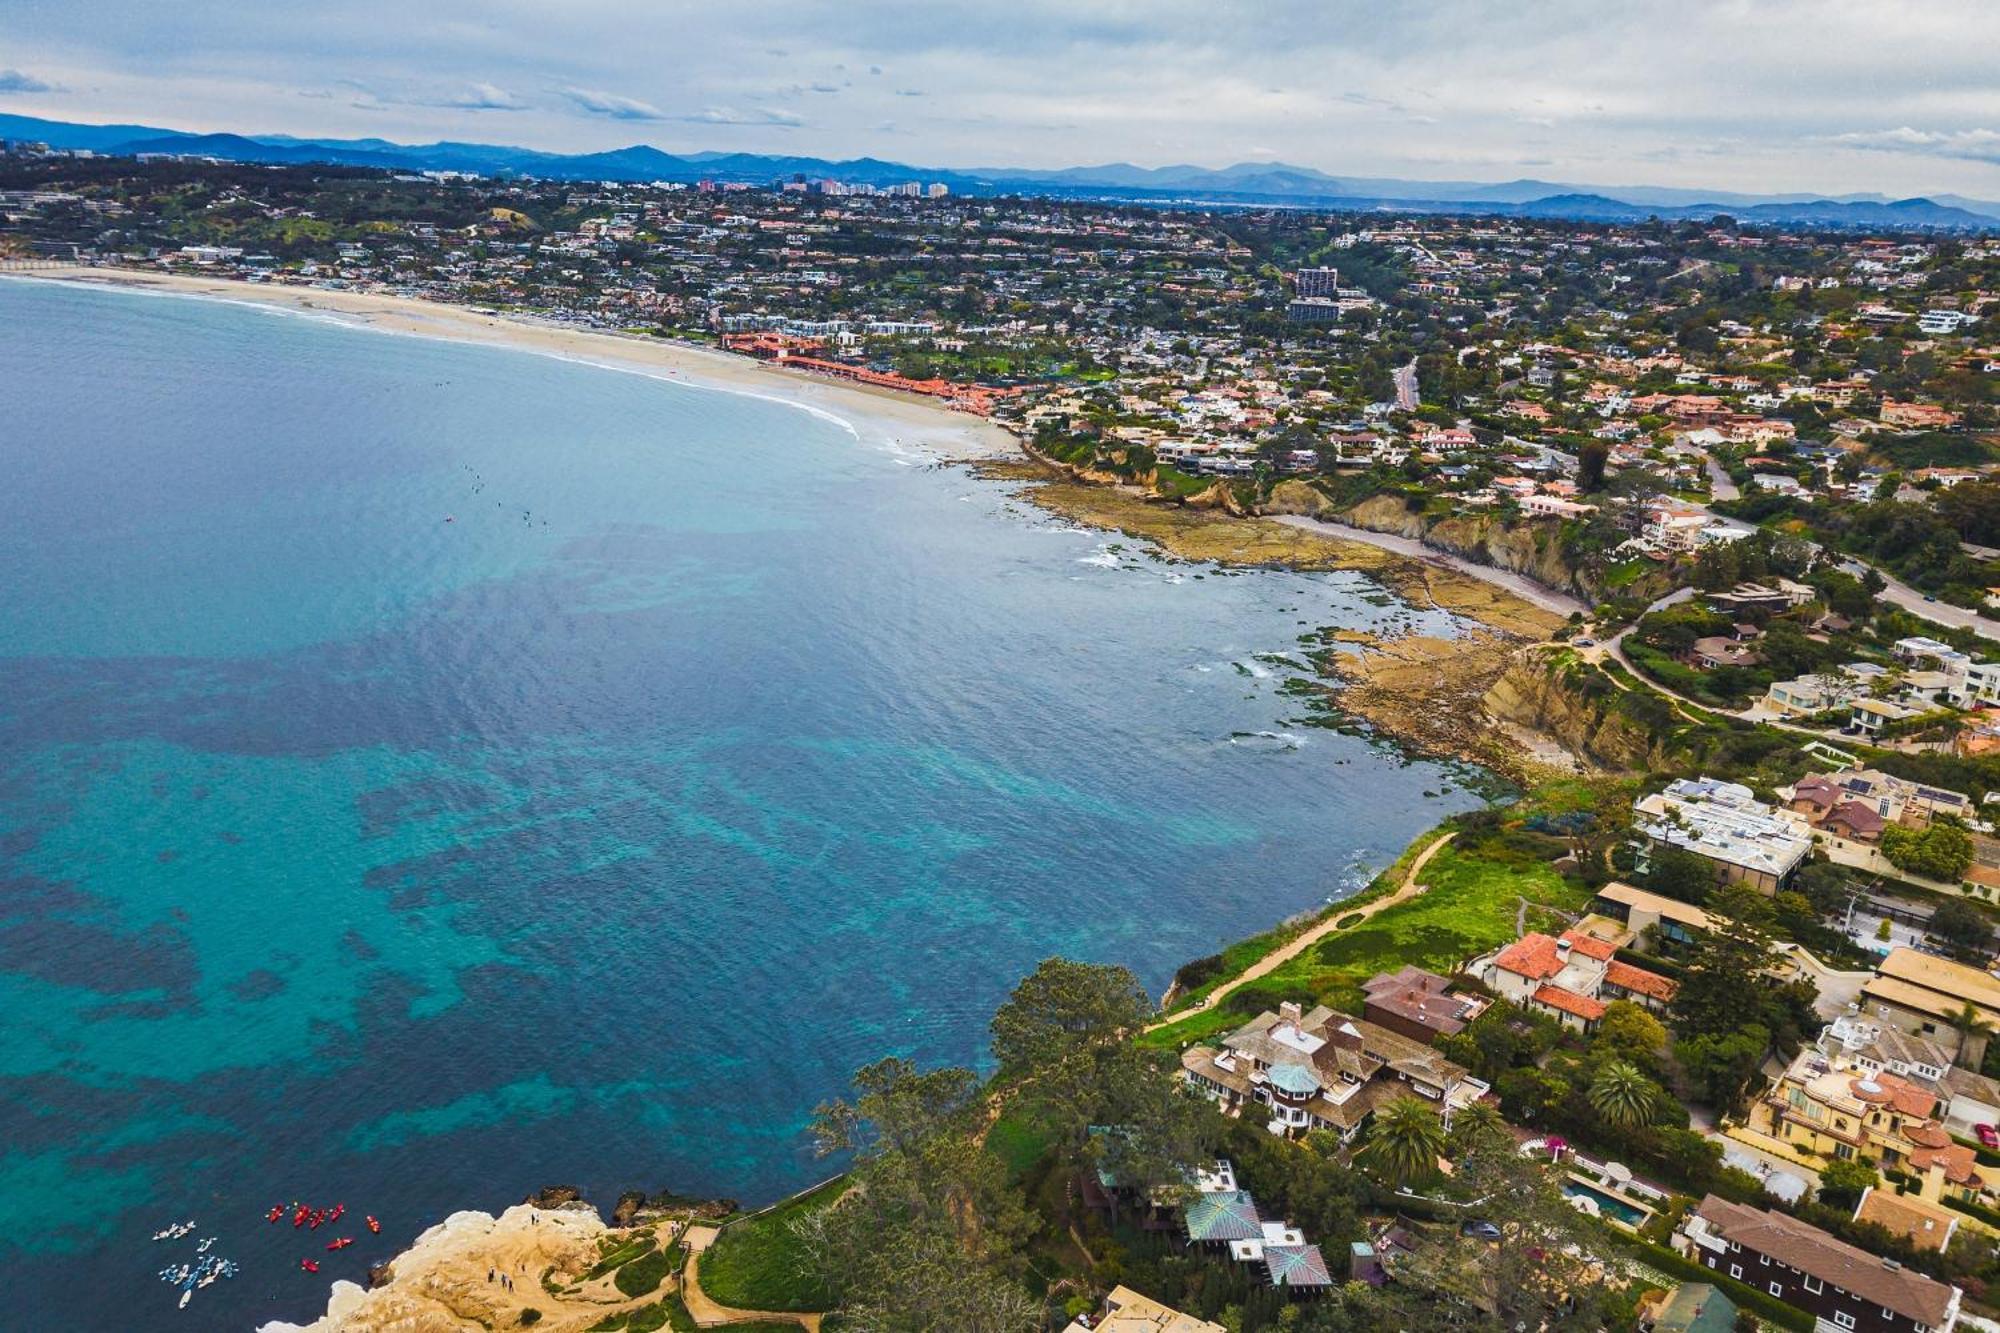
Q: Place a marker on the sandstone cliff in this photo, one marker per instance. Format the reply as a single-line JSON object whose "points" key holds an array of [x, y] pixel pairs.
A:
{"points": [[1530, 549], [1539, 694]]}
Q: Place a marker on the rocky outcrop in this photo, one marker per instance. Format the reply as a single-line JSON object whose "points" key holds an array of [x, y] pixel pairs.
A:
{"points": [[1539, 694], [555, 1196]]}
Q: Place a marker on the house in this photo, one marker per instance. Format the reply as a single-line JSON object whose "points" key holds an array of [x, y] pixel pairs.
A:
{"points": [[1901, 801], [1924, 1224], [1658, 921], [1841, 1285], [1321, 1069], [1572, 978], [1551, 506], [1830, 807], [1690, 1307], [1916, 416], [1827, 1106], [1718, 650], [1779, 595], [1803, 696], [1126, 1311], [1221, 1216], [1924, 995], [1747, 841], [1418, 1004]]}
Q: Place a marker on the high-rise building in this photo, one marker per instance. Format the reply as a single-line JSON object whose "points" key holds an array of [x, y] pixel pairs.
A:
{"points": [[1318, 282], [939, 190]]}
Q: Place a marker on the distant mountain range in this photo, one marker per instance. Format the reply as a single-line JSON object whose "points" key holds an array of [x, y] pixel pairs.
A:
{"points": [[1246, 183]]}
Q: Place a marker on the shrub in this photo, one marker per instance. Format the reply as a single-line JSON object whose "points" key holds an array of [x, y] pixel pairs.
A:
{"points": [[643, 1274], [1193, 975]]}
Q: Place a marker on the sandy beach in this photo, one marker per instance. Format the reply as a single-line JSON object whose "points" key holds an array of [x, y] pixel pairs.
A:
{"points": [[874, 414]]}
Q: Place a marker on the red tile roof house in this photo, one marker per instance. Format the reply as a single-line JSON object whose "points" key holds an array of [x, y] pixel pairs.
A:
{"points": [[1572, 977], [1841, 1286]]}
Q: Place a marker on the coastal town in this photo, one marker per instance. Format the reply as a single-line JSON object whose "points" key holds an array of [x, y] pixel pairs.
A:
{"points": [[1692, 1030]]}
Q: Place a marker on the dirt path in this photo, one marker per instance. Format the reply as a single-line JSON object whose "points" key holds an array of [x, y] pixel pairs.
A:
{"points": [[1284, 953], [710, 1314]]}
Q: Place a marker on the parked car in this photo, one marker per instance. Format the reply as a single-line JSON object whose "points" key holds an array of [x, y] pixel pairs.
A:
{"points": [[1988, 1135], [1586, 643], [1479, 1230]]}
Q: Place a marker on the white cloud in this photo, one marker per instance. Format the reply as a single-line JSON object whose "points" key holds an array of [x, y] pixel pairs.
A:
{"points": [[612, 106], [483, 97], [722, 115], [1969, 145]]}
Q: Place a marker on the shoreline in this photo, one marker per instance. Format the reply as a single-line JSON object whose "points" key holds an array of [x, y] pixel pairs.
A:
{"points": [[865, 412], [1520, 585]]}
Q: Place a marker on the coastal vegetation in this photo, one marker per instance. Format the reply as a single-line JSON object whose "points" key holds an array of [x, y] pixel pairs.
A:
{"points": [[1498, 874], [760, 1262]]}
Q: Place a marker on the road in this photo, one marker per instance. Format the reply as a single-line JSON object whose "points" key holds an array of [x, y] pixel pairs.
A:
{"points": [[1720, 487], [1900, 594], [1895, 591], [1406, 387]]}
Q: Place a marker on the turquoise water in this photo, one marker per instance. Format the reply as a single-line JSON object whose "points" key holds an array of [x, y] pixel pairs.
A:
{"points": [[593, 836], [1612, 1207]]}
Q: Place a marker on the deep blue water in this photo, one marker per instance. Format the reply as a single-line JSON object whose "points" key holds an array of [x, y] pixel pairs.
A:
{"points": [[594, 836]]}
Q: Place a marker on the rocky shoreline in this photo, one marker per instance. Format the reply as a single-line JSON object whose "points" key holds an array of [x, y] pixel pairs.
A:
{"points": [[546, 1263], [1424, 692]]}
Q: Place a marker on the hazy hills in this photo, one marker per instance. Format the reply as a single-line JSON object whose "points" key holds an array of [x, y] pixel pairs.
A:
{"points": [[1246, 183]]}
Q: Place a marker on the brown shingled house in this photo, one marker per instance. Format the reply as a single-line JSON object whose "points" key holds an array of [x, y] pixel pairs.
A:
{"points": [[1300, 1070], [1840, 1285], [1418, 1004]]}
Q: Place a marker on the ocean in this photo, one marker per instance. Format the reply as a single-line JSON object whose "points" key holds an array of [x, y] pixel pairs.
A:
{"points": [[430, 772]]}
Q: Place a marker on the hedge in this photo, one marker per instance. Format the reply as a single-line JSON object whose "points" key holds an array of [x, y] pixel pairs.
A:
{"points": [[1980, 1211], [1762, 1304]]}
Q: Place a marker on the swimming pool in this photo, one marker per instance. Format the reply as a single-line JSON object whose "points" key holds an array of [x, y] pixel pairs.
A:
{"points": [[1619, 1210]]}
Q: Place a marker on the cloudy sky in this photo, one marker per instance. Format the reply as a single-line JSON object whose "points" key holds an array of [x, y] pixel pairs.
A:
{"points": [[1759, 95]]}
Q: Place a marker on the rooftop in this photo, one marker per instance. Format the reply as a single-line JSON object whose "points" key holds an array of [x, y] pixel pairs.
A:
{"points": [[1812, 1251]]}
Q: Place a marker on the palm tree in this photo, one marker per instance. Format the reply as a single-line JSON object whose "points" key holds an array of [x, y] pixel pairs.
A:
{"points": [[1469, 1124], [1623, 1096], [1973, 1030], [1405, 1141]]}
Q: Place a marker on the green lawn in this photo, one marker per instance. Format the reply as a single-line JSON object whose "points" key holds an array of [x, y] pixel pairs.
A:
{"points": [[758, 1264], [1470, 907]]}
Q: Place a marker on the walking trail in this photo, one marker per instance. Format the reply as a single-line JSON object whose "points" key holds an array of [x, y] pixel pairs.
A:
{"points": [[1284, 953], [710, 1314]]}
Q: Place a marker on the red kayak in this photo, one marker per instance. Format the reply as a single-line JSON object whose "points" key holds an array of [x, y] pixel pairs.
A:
{"points": [[274, 1214], [299, 1218], [340, 1244], [338, 1209], [318, 1216], [373, 1225], [311, 1266]]}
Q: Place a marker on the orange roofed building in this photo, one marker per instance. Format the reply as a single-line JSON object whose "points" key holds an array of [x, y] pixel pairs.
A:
{"points": [[1572, 977]]}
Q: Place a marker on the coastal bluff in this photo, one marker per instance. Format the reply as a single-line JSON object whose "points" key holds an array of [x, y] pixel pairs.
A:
{"points": [[441, 1282]]}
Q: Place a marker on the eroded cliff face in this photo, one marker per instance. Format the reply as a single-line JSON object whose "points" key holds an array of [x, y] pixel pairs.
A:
{"points": [[1531, 549], [1538, 694]]}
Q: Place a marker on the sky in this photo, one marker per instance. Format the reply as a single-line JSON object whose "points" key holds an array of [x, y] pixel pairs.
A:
{"points": [[1752, 95]]}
